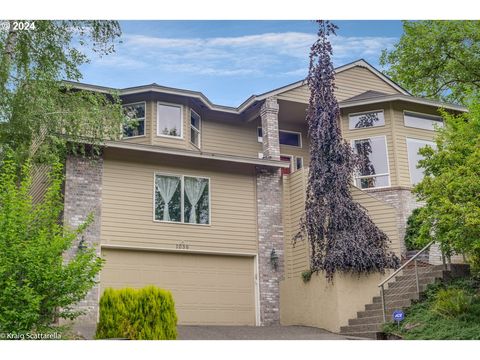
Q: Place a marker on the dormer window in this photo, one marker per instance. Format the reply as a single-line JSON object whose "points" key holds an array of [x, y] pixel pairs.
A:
{"points": [[136, 125], [169, 120]]}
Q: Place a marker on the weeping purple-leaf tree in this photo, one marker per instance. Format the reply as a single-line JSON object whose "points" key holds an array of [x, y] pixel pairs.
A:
{"points": [[342, 236]]}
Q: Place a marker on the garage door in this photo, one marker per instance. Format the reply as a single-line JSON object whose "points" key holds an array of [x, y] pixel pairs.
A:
{"points": [[207, 289]]}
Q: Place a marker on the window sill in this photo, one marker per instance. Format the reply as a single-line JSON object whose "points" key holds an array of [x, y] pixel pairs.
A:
{"points": [[170, 137], [180, 223]]}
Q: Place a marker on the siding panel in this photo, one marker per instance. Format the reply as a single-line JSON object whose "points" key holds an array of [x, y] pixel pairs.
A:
{"points": [[127, 206], [297, 257]]}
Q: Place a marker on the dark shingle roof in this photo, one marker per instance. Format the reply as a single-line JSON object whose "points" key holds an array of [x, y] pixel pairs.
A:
{"points": [[367, 95]]}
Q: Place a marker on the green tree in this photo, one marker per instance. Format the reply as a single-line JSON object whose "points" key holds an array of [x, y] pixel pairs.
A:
{"points": [[39, 109], [37, 285], [437, 59], [451, 186]]}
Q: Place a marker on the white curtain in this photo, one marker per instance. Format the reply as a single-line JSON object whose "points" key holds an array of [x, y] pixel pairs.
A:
{"points": [[166, 186], [194, 188]]}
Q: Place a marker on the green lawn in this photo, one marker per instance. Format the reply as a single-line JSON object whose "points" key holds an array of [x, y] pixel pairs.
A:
{"points": [[447, 311]]}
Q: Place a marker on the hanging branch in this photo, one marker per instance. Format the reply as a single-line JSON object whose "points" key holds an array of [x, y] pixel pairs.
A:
{"points": [[342, 236]]}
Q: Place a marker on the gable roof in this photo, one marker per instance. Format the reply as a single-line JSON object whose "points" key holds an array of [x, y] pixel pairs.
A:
{"points": [[363, 98], [367, 95], [360, 63]]}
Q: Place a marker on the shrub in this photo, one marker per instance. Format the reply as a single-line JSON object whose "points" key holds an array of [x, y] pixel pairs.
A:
{"points": [[412, 231], [37, 284], [137, 314], [452, 302]]}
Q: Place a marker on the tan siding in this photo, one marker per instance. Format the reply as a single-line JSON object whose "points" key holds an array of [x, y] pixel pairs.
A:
{"points": [[304, 151], [351, 82], [127, 205], [228, 137], [297, 257], [357, 80], [385, 130], [40, 182]]}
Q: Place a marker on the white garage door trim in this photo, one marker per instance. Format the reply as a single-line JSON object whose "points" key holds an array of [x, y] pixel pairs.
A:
{"points": [[205, 252]]}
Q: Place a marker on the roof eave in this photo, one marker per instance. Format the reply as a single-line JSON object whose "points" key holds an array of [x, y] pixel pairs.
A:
{"points": [[398, 97], [196, 155]]}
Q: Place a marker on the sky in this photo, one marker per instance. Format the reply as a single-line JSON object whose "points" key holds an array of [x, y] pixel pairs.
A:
{"points": [[230, 60]]}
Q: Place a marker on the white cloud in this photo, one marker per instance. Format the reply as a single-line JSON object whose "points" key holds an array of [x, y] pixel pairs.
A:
{"points": [[280, 54]]}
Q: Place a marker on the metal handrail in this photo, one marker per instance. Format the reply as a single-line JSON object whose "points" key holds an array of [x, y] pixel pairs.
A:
{"points": [[381, 285], [408, 262]]}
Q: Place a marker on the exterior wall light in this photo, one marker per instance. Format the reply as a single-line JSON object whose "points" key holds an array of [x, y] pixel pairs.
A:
{"points": [[274, 259]]}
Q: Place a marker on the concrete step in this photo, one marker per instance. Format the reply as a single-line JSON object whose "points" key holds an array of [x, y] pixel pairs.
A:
{"points": [[378, 312], [411, 282], [391, 305], [408, 288], [396, 297], [361, 328], [426, 275], [372, 335], [378, 319]]}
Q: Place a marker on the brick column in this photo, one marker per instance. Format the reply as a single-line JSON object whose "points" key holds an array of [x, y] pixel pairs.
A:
{"points": [[83, 195], [269, 218], [269, 116]]}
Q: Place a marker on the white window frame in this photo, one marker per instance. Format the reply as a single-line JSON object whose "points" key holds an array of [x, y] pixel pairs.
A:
{"points": [[352, 144], [159, 103], [301, 160], [366, 112], [199, 131], [423, 141], [292, 162], [144, 120], [425, 116], [182, 196], [260, 139]]}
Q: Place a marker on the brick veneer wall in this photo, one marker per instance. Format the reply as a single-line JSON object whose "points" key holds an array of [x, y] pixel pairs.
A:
{"points": [[269, 218], [270, 237], [83, 195]]}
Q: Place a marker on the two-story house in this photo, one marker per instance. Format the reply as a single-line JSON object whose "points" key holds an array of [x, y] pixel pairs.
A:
{"points": [[204, 200]]}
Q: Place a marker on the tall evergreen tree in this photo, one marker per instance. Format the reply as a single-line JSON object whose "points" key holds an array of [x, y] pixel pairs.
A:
{"points": [[342, 236]]}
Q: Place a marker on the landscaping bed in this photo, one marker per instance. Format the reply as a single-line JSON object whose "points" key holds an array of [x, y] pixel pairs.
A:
{"points": [[446, 311]]}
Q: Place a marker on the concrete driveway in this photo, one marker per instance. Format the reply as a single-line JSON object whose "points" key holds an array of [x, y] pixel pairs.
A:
{"points": [[186, 332]]}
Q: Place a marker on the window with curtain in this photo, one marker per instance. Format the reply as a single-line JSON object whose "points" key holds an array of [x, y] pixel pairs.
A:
{"points": [[136, 114], [413, 145], [183, 199], [373, 171]]}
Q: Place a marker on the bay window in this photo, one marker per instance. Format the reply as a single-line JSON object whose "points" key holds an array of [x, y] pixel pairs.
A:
{"points": [[136, 115], [374, 169], [169, 120], [195, 128], [413, 145], [422, 121]]}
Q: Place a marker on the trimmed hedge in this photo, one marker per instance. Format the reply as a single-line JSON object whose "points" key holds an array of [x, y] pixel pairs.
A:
{"points": [[137, 314]]}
